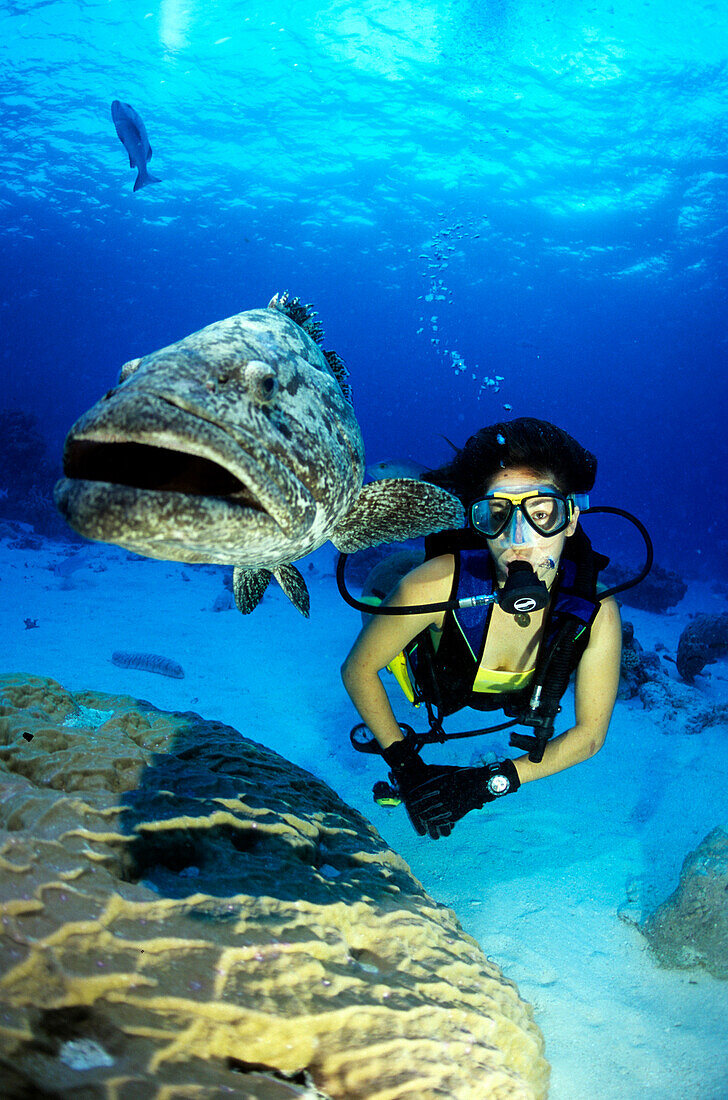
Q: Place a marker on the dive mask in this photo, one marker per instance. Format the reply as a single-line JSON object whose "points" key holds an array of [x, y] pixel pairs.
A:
{"points": [[544, 509]]}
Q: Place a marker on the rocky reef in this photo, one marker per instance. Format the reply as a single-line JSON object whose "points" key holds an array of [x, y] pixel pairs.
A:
{"points": [[704, 640], [638, 666], [27, 475], [660, 590], [690, 928], [186, 913], [677, 706]]}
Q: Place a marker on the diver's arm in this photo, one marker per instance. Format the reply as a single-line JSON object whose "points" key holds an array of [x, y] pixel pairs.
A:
{"points": [[597, 680], [385, 636]]}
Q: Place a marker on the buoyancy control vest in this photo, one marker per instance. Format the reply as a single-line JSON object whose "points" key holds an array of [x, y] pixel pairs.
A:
{"points": [[444, 676]]}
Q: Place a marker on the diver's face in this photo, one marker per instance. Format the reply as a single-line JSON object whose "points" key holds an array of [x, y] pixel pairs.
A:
{"points": [[519, 541]]}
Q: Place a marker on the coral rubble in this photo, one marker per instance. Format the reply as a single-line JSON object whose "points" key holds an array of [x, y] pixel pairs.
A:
{"points": [[186, 913], [690, 928]]}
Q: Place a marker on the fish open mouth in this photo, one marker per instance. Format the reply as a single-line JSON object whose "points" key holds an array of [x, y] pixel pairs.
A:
{"points": [[149, 467], [158, 479]]}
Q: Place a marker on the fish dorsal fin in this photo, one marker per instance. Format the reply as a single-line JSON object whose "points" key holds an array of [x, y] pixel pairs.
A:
{"points": [[395, 509], [249, 586], [305, 317], [340, 372]]}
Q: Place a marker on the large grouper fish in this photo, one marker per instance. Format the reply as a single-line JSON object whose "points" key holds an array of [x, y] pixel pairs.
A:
{"points": [[238, 445]]}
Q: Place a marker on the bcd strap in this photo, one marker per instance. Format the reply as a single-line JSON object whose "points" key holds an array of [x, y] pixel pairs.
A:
{"points": [[556, 663]]}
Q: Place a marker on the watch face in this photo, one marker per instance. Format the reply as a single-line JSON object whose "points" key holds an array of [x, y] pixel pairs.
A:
{"points": [[498, 785]]}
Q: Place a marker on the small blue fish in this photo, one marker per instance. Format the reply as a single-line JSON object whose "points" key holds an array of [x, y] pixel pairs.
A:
{"points": [[133, 136]]}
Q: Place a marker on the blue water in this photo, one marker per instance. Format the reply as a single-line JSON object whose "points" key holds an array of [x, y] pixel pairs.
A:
{"points": [[554, 176], [505, 208]]}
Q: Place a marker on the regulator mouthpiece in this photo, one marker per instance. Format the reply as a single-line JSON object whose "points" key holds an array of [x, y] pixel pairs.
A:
{"points": [[523, 592]]}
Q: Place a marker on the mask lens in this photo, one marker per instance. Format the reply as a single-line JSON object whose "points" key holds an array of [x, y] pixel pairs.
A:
{"points": [[546, 514], [489, 517]]}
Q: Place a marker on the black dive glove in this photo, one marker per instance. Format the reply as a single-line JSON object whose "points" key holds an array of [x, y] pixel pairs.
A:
{"points": [[436, 796], [441, 800], [407, 766], [409, 772]]}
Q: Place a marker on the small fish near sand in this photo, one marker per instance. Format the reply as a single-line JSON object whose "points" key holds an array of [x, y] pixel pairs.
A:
{"points": [[133, 136], [238, 445]]}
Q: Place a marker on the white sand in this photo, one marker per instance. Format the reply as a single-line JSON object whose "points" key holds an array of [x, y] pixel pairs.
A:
{"points": [[537, 879]]}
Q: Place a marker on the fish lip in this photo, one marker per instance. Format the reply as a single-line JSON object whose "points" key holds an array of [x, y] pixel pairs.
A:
{"points": [[128, 517], [272, 488]]}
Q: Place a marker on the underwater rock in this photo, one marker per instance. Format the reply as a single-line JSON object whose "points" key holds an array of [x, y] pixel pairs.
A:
{"points": [[703, 641], [676, 707], [224, 601], [660, 590], [26, 473], [690, 928], [184, 912], [638, 666]]}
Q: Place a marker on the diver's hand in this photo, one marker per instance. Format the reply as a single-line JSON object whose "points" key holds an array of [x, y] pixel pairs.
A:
{"points": [[426, 813], [435, 805], [409, 773], [408, 769]]}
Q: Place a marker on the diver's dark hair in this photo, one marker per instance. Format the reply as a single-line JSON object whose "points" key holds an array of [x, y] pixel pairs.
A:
{"points": [[540, 446]]}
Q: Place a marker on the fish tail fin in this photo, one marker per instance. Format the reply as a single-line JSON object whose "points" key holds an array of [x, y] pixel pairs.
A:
{"points": [[143, 179]]}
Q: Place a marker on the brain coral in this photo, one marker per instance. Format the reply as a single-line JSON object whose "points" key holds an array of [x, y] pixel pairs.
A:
{"points": [[187, 914]]}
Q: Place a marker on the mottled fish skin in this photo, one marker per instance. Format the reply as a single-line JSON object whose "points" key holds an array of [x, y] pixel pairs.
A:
{"points": [[249, 586], [133, 136], [237, 445]]}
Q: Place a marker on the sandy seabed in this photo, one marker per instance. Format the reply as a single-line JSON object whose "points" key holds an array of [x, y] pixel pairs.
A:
{"points": [[538, 878]]}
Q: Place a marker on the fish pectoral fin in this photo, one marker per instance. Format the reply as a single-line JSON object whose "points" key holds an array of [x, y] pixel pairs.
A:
{"points": [[294, 587], [395, 509], [248, 587], [250, 584]]}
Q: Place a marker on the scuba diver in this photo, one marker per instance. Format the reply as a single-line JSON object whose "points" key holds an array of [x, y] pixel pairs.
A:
{"points": [[523, 613]]}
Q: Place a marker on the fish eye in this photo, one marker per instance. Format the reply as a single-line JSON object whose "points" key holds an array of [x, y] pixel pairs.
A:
{"points": [[261, 380], [267, 386]]}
